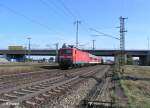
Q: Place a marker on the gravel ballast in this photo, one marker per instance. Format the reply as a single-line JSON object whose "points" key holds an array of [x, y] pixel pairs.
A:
{"points": [[73, 96], [76, 94]]}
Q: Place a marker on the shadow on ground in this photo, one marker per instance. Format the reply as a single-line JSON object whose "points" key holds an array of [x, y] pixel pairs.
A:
{"points": [[131, 78], [50, 67]]}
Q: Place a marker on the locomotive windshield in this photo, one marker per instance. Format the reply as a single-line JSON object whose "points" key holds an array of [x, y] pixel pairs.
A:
{"points": [[66, 51]]}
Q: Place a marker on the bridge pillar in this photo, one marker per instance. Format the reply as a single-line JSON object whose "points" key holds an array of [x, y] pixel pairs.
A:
{"points": [[143, 60], [148, 58], [15, 57], [125, 58], [120, 58], [129, 60]]}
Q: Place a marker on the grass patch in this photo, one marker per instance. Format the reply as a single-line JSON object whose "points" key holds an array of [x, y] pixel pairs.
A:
{"points": [[23, 64], [14, 68], [138, 92], [17, 69], [139, 71]]}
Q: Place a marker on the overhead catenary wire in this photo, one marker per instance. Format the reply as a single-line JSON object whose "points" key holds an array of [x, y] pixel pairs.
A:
{"points": [[68, 10], [85, 25], [69, 13], [28, 18], [103, 34], [53, 6], [73, 15]]}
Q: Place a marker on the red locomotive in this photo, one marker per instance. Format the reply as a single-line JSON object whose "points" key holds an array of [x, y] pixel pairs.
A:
{"points": [[72, 57]]}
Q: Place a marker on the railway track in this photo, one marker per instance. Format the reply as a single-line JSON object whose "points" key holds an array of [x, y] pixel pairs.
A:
{"points": [[7, 81], [35, 93], [100, 95], [12, 80]]}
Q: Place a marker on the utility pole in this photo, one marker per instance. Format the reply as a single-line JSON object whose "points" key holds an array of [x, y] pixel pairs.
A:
{"points": [[122, 40], [77, 30], [29, 48], [93, 43]]}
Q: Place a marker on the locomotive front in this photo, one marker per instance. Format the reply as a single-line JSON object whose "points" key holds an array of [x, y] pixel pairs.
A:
{"points": [[65, 59]]}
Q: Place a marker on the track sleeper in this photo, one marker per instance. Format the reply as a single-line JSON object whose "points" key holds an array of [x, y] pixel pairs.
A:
{"points": [[56, 90], [39, 99], [25, 90], [33, 89], [60, 88], [19, 93], [4, 100], [30, 103], [45, 95], [44, 85], [39, 87], [10, 96], [51, 92]]}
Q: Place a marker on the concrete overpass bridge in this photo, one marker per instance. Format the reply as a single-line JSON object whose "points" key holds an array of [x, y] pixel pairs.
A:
{"points": [[144, 55]]}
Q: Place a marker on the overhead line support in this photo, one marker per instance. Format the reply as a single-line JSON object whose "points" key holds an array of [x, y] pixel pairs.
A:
{"points": [[122, 40], [77, 31]]}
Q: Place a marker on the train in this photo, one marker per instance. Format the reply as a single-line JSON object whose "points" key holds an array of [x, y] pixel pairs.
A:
{"points": [[73, 57]]}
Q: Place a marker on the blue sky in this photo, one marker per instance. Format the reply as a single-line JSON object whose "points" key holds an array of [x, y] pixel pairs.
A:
{"points": [[49, 23]]}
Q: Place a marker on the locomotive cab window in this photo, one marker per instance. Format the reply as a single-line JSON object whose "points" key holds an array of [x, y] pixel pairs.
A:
{"points": [[67, 51]]}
